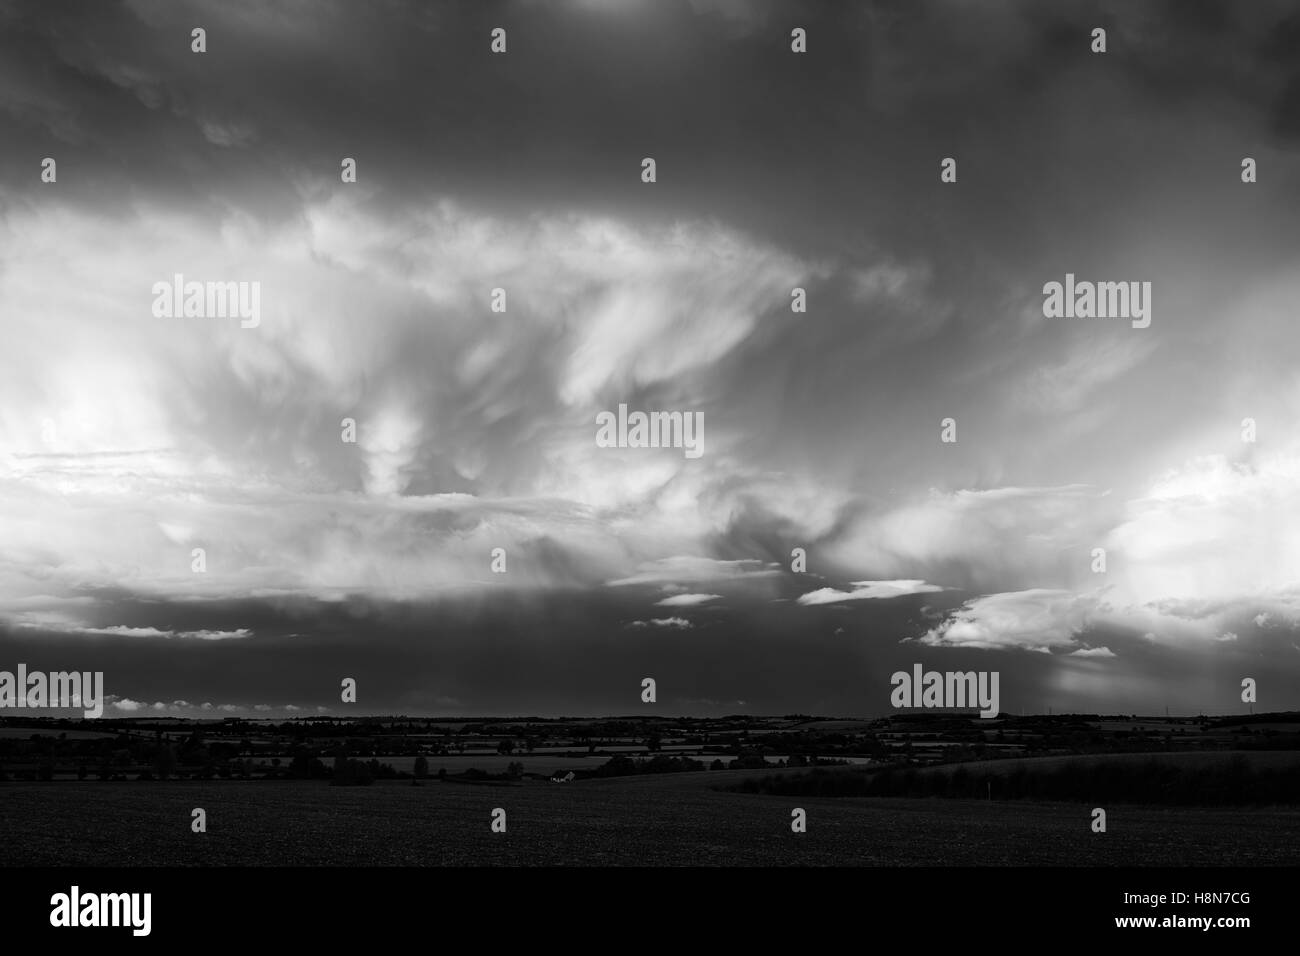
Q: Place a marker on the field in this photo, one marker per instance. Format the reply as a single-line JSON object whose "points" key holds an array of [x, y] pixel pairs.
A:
{"points": [[1258, 759], [547, 764], [22, 733], [674, 819]]}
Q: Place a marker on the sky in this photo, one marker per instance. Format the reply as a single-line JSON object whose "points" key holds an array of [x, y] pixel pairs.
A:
{"points": [[127, 440]]}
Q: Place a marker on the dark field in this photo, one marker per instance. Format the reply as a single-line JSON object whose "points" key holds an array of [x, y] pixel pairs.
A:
{"points": [[667, 820]]}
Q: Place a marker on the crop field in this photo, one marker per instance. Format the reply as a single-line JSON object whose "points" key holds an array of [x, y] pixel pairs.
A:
{"points": [[1257, 759], [671, 819]]}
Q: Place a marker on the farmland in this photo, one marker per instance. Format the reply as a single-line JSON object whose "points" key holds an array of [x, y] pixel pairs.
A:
{"points": [[671, 820], [953, 790]]}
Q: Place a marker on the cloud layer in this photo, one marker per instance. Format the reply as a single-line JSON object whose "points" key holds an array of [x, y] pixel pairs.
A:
{"points": [[176, 495]]}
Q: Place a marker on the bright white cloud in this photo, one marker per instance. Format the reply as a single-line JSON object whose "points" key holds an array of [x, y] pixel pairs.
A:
{"points": [[127, 440], [1036, 619], [1214, 530], [867, 590], [1095, 652], [687, 600]]}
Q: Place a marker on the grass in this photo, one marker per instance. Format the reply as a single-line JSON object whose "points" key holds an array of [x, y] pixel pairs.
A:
{"points": [[673, 819]]}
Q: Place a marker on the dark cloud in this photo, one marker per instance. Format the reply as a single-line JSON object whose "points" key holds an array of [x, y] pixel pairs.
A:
{"points": [[522, 171]]}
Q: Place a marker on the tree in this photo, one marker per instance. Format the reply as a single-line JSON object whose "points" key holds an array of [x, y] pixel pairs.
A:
{"points": [[506, 746], [164, 761], [421, 767], [353, 772]]}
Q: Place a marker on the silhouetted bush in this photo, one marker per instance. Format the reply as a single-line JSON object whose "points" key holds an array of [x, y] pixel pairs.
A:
{"points": [[351, 773], [621, 765], [305, 767]]}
